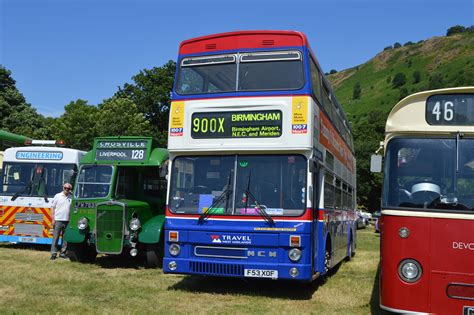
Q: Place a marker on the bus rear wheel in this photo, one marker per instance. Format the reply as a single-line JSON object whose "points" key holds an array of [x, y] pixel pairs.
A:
{"points": [[327, 260], [81, 252]]}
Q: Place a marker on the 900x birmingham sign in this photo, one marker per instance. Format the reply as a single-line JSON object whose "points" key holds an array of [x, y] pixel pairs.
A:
{"points": [[245, 124]]}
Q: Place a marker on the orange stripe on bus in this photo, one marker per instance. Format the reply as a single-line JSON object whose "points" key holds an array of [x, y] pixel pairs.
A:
{"points": [[6, 219]]}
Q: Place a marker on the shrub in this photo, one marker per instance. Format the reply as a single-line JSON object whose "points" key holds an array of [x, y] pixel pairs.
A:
{"points": [[399, 80], [356, 91], [457, 29], [416, 77]]}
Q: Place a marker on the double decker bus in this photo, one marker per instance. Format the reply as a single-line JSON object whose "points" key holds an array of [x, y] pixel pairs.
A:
{"points": [[119, 200], [262, 167], [30, 178], [427, 221]]}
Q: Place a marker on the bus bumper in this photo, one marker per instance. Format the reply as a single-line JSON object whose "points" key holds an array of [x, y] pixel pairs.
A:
{"points": [[220, 268], [26, 239]]}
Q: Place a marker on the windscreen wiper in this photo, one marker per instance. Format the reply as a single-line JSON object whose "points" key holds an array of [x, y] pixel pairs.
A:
{"points": [[258, 206], [223, 196], [210, 211], [19, 193]]}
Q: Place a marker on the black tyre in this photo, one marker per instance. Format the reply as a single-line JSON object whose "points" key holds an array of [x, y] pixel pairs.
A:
{"points": [[327, 260], [81, 253], [154, 255]]}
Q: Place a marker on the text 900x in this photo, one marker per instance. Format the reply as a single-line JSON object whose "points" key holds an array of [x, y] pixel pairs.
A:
{"points": [[111, 155]]}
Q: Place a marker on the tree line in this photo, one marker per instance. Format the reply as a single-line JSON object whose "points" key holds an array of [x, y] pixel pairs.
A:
{"points": [[137, 108]]}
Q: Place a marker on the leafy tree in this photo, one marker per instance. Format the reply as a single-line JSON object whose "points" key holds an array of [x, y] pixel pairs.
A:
{"points": [[408, 44], [356, 91], [368, 132], [16, 115], [397, 45], [77, 126], [416, 77], [457, 29], [387, 48], [121, 117], [332, 71], [399, 80], [435, 81], [151, 92]]}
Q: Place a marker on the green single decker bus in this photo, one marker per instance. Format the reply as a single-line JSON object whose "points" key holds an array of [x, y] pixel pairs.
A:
{"points": [[119, 200]]}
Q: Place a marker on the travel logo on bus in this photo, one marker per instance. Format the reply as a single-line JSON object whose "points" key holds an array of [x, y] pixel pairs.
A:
{"points": [[39, 155], [231, 239]]}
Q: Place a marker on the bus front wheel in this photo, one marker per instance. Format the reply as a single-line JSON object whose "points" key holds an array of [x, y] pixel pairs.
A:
{"points": [[154, 255], [81, 252]]}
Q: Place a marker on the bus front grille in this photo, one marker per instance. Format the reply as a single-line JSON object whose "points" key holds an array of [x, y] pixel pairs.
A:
{"points": [[110, 228], [29, 229], [29, 217], [217, 268]]}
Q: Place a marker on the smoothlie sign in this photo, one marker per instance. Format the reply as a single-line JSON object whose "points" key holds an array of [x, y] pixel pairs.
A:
{"points": [[121, 150], [242, 124]]}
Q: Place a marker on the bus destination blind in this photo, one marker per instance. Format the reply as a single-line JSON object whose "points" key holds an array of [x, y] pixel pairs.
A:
{"points": [[242, 124], [450, 109], [121, 151]]}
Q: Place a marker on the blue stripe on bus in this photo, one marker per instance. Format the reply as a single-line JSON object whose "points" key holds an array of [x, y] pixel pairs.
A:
{"points": [[17, 239]]}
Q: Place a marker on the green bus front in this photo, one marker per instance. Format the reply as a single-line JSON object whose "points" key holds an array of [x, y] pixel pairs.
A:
{"points": [[119, 200]]}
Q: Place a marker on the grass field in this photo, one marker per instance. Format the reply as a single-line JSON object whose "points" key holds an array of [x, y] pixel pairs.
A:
{"points": [[31, 283]]}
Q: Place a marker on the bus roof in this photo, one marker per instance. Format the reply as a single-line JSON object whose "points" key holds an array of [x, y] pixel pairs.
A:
{"points": [[33, 154], [242, 40], [409, 115]]}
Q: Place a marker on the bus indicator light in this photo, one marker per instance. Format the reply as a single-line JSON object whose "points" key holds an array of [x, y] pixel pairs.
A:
{"points": [[173, 236], [295, 241]]}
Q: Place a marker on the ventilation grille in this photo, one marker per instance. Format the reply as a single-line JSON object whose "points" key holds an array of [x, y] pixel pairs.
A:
{"points": [[217, 269], [268, 42], [29, 229], [211, 46]]}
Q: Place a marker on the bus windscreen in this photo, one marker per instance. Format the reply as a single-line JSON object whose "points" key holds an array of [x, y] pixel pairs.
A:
{"points": [[430, 174]]}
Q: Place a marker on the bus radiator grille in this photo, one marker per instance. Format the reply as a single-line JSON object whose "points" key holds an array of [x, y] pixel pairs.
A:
{"points": [[29, 217], [217, 269], [29, 229]]}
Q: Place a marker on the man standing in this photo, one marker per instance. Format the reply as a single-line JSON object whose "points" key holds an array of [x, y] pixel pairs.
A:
{"points": [[60, 214]]}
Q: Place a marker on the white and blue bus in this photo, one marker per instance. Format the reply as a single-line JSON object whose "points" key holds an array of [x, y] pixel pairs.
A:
{"points": [[30, 178], [262, 170]]}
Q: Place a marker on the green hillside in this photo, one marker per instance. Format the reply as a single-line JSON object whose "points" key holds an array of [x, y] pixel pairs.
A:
{"points": [[440, 61], [388, 77]]}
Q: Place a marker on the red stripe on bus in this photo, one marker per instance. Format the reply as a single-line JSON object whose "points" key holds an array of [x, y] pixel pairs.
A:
{"points": [[307, 216], [13, 212]]}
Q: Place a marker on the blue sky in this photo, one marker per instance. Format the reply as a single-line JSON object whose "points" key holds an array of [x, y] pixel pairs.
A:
{"points": [[62, 50]]}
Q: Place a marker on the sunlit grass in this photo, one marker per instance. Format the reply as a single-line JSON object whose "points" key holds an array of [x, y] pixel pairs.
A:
{"points": [[31, 283]]}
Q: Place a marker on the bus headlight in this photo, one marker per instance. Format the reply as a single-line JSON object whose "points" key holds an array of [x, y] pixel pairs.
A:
{"points": [[294, 254], [409, 270], [82, 223], [135, 224], [174, 249]]}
